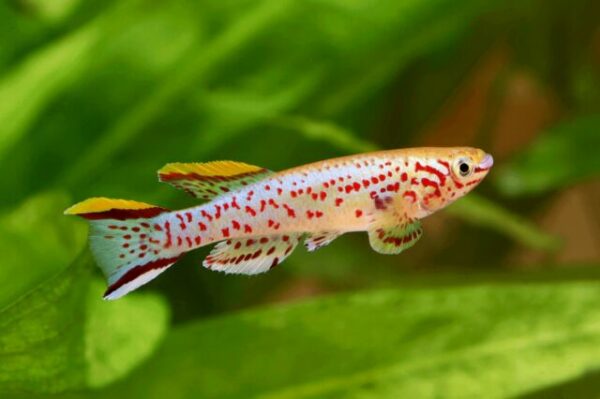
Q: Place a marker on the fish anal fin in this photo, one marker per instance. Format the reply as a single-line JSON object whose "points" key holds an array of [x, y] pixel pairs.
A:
{"points": [[318, 240], [251, 255], [211, 179], [394, 240]]}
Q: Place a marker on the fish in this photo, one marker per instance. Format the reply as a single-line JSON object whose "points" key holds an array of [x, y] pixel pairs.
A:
{"points": [[257, 217]]}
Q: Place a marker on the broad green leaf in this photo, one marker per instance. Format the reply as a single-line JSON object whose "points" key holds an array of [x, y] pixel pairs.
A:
{"points": [[36, 242], [30, 86], [191, 71], [483, 212], [56, 333], [493, 341], [565, 155]]}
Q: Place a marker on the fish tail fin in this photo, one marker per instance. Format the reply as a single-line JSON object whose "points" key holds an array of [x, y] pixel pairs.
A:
{"points": [[125, 242]]}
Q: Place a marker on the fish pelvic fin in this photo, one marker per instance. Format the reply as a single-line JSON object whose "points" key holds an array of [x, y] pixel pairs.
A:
{"points": [[124, 242]]}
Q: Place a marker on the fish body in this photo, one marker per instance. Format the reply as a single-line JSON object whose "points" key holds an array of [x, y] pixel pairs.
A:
{"points": [[258, 217]]}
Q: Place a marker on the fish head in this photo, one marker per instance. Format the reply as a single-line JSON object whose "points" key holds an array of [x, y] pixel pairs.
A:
{"points": [[448, 174]]}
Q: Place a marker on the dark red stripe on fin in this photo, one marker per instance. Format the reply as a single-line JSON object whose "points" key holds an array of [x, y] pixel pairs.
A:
{"points": [[165, 177], [138, 271], [124, 214]]}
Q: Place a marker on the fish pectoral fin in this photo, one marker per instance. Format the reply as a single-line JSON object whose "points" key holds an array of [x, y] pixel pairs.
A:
{"points": [[252, 255], [211, 179], [318, 240], [393, 240]]}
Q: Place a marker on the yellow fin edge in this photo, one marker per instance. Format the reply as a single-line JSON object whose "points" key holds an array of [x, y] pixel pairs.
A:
{"points": [[101, 204], [216, 168]]}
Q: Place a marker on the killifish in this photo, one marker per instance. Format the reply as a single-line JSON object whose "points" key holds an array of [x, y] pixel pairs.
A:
{"points": [[257, 217]]}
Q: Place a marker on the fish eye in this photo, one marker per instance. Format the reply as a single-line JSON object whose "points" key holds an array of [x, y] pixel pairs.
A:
{"points": [[463, 167]]}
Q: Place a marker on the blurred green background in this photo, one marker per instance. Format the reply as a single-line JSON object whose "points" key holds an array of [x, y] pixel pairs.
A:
{"points": [[499, 299]]}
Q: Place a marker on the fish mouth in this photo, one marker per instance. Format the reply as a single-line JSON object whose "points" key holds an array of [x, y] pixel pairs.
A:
{"points": [[486, 163]]}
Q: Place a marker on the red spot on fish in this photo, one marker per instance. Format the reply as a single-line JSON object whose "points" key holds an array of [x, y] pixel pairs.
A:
{"points": [[380, 204], [374, 180], [310, 214], [235, 224], [445, 164], [358, 213], [181, 222], [338, 201], [206, 215], [318, 214], [189, 217], [356, 186], [273, 203], [225, 232], [410, 194], [169, 238], [322, 195], [202, 226], [250, 211], [247, 228], [432, 170], [197, 240], [291, 213], [366, 183]]}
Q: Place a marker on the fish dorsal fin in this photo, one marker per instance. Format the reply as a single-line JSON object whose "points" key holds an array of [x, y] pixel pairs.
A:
{"points": [[252, 255], [318, 240], [211, 179], [393, 240]]}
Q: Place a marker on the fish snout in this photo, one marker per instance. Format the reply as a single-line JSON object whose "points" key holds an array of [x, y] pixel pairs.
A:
{"points": [[486, 163]]}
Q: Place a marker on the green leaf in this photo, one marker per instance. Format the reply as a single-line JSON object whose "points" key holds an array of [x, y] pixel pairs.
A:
{"points": [[488, 341], [483, 212], [36, 243], [56, 333], [565, 155]]}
